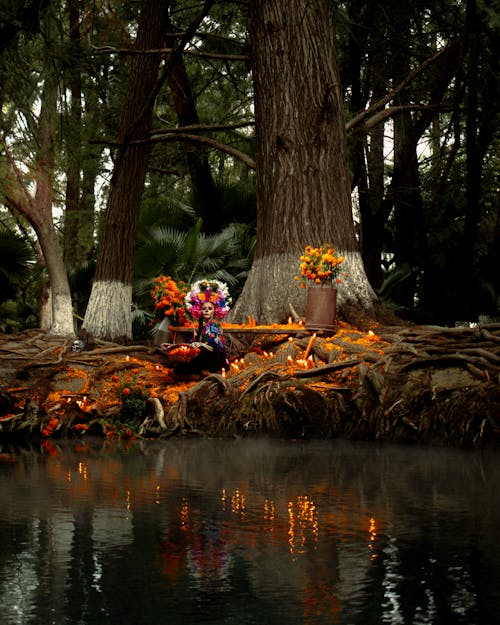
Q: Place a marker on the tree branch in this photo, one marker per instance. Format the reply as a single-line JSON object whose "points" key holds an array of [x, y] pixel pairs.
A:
{"points": [[174, 136], [13, 187], [360, 118], [202, 127], [379, 117], [197, 53]]}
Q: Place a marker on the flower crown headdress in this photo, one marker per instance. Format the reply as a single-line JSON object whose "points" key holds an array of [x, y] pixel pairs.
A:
{"points": [[212, 291]]}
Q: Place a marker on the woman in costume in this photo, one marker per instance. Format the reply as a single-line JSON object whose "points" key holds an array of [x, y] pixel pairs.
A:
{"points": [[208, 302]]}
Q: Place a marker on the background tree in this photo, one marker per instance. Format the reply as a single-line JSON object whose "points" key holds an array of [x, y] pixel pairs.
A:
{"points": [[303, 184], [37, 206], [108, 312], [430, 94]]}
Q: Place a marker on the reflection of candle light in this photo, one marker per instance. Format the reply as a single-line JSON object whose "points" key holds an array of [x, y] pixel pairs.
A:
{"points": [[291, 526], [157, 494], [299, 521], [372, 530], [238, 503], [184, 516], [129, 505], [82, 470], [269, 512]]}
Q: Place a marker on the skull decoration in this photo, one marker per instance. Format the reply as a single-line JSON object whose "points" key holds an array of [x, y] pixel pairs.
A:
{"points": [[77, 346]]}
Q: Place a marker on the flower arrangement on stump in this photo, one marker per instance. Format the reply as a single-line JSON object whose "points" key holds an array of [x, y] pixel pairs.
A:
{"points": [[319, 270], [169, 299]]}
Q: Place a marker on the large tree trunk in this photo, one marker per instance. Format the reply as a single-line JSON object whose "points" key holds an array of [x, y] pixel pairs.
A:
{"points": [[202, 183], [303, 186], [474, 161], [42, 219], [58, 318], [108, 314], [373, 217], [79, 208]]}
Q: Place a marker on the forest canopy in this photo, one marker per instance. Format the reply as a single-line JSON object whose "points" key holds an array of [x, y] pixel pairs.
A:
{"points": [[142, 138]]}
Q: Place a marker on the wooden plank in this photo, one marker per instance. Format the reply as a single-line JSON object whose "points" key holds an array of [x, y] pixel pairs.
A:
{"points": [[254, 330]]}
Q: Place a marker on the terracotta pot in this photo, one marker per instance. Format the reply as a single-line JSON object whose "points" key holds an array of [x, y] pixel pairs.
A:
{"points": [[321, 307]]}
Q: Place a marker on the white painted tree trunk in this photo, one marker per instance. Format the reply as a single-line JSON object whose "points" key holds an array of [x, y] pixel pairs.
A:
{"points": [[45, 312], [108, 313], [62, 316]]}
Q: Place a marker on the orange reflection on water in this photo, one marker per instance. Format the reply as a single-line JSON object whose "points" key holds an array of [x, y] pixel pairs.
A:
{"points": [[82, 469], [269, 515], [223, 498], [303, 522], [372, 531], [238, 502], [184, 516]]}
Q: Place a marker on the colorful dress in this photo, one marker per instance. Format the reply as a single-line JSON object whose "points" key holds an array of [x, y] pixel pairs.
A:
{"points": [[210, 360], [211, 334]]}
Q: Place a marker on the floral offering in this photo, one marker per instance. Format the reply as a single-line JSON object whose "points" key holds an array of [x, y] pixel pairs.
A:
{"points": [[319, 265], [169, 296], [212, 291]]}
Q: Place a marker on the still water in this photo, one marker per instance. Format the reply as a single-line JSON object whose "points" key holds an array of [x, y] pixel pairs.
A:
{"points": [[248, 532]]}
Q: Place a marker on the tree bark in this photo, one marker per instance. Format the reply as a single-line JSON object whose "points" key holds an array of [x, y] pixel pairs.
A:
{"points": [[303, 183], [108, 314], [204, 196], [74, 148], [37, 209]]}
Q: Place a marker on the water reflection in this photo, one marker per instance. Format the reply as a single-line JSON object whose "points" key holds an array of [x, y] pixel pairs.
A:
{"points": [[248, 532]]}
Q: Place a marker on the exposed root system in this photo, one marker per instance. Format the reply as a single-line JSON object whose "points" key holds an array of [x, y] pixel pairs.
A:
{"points": [[408, 384]]}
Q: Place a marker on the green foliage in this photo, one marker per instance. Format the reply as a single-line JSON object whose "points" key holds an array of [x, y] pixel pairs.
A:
{"points": [[133, 398], [15, 262], [17, 269], [170, 239]]}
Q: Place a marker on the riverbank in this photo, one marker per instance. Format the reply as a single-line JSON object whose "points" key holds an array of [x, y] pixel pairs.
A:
{"points": [[417, 384]]}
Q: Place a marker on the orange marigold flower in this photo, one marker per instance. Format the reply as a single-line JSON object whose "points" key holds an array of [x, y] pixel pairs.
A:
{"points": [[319, 264]]}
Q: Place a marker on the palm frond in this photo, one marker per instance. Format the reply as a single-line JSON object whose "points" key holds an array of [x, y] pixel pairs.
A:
{"points": [[17, 257]]}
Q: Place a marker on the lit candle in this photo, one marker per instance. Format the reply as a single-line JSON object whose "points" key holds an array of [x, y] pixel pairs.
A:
{"points": [[309, 345]]}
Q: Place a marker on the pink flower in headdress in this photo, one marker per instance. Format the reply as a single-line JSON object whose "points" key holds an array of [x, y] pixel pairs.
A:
{"points": [[212, 291]]}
